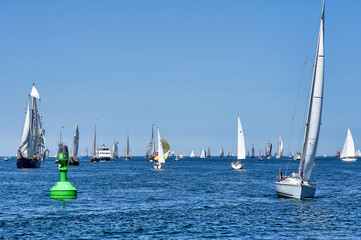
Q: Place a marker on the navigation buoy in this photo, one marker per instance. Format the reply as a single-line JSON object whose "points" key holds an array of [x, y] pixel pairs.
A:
{"points": [[63, 188]]}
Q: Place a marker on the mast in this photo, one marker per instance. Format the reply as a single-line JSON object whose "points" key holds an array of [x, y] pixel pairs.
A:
{"points": [[127, 144], [95, 137], [152, 143], [314, 109]]}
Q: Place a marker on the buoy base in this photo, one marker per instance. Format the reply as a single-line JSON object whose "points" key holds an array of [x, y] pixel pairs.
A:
{"points": [[63, 190]]}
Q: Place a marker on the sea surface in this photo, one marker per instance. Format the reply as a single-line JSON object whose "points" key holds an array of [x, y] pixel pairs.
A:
{"points": [[190, 199]]}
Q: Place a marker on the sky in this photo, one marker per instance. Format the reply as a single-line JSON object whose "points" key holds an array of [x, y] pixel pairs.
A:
{"points": [[189, 67]]}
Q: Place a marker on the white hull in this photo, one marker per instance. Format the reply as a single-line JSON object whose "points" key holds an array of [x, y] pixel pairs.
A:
{"points": [[349, 159], [293, 188], [237, 165], [158, 165]]}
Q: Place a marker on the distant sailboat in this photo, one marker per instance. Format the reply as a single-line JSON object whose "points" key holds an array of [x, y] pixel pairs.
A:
{"points": [[74, 159], [32, 150], [280, 148], [241, 148], [297, 156], [209, 152], [127, 156], [163, 152], [252, 152], [192, 154], [348, 150], [229, 152], [115, 151], [151, 147], [268, 150], [94, 158], [221, 152], [260, 156], [203, 154], [298, 185]]}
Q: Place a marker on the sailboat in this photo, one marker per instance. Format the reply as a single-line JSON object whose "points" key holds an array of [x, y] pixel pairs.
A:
{"points": [[115, 152], [268, 150], [32, 150], [241, 148], [229, 152], [280, 148], [74, 159], [260, 156], [298, 185], [94, 158], [209, 152], [151, 147], [221, 152], [161, 156], [252, 155], [203, 154], [192, 154], [348, 153], [127, 156]]}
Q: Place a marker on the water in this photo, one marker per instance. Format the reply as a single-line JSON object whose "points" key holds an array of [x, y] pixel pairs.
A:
{"points": [[189, 199]]}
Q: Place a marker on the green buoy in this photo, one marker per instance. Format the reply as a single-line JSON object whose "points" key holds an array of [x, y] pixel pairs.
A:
{"points": [[63, 188]]}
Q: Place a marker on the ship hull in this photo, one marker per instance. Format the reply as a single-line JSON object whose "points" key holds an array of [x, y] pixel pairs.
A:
{"points": [[27, 162], [295, 190], [74, 162], [127, 158]]}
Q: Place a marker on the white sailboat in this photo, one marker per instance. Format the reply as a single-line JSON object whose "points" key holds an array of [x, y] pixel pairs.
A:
{"points": [[127, 156], [298, 185], [74, 159], [203, 153], [192, 154], [241, 148], [221, 152], [280, 148], [161, 156], [32, 150], [348, 153]]}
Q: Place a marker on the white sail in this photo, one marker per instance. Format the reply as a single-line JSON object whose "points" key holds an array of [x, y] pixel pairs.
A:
{"points": [[26, 144], [348, 149], [241, 147], [280, 146], [203, 154], [160, 149], [314, 110], [76, 141], [34, 93], [192, 154]]}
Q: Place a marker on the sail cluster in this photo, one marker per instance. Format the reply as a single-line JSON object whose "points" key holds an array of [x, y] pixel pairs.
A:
{"points": [[33, 142]]}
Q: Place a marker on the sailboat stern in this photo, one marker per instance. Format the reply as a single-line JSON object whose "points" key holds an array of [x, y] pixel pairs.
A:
{"points": [[293, 188]]}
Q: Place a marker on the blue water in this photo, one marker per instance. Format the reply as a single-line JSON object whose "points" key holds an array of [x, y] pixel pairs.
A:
{"points": [[189, 199]]}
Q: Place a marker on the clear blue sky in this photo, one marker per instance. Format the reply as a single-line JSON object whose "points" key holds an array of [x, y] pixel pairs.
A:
{"points": [[187, 66]]}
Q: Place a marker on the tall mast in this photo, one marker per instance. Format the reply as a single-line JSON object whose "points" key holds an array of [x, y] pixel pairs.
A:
{"points": [[314, 109], [95, 137], [127, 144]]}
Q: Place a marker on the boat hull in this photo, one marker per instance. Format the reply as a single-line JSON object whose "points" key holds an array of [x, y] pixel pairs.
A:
{"points": [[74, 162], [27, 162], [158, 165], [236, 165], [295, 190], [102, 159], [127, 158], [349, 159]]}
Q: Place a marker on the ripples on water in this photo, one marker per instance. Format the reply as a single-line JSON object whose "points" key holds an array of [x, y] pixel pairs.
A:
{"points": [[190, 199]]}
